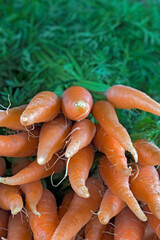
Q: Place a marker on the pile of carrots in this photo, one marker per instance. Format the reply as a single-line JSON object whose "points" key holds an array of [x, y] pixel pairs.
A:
{"points": [[122, 202]]}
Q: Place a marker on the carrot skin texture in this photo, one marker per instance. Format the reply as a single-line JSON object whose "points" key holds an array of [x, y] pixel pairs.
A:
{"points": [[105, 114], [108, 233], [82, 135], [128, 226], [43, 107], [125, 97], [18, 164], [149, 233], [44, 226], [2, 166], [110, 206], [119, 185], [65, 203], [78, 170], [94, 229], [52, 138], [4, 215], [79, 212], [76, 103]]}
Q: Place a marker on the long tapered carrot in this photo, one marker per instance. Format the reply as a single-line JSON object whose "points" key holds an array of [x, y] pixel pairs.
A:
{"points": [[128, 98], [52, 138], [43, 107], [34, 172], [94, 229], [119, 185], [76, 103], [108, 233], [82, 135], [18, 164], [4, 215], [80, 211], [105, 114], [128, 226], [65, 203], [2, 166], [113, 150], [22, 144], [144, 184], [10, 199], [44, 226], [78, 170], [148, 153], [110, 206]]}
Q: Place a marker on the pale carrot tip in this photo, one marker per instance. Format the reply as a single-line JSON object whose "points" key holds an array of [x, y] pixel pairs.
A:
{"points": [[81, 104], [83, 192], [2, 180], [41, 160], [24, 120], [127, 171], [35, 212], [16, 210]]}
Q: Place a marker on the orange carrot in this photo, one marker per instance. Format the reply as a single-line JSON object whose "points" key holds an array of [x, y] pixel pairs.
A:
{"points": [[52, 138], [78, 170], [148, 153], [79, 212], [110, 206], [119, 185], [10, 199], [34, 172], [65, 203], [128, 226], [43, 107], [82, 135], [18, 164], [105, 114], [94, 229], [108, 233], [44, 226], [76, 103], [2, 166], [145, 187], [149, 233], [127, 97], [113, 150], [4, 215]]}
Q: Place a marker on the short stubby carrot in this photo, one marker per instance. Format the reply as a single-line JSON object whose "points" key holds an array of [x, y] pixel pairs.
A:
{"points": [[80, 211], [2, 166], [18, 164], [94, 229], [108, 233], [148, 153], [4, 215], [144, 184], [65, 203], [112, 149], [105, 114], [82, 134], [110, 206], [128, 226], [34, 172], [126, 97], [43, 107], [22, 144], [44, 226], [10, 199], [78, 170], [76, 103], [119, 185], [52, 138]]}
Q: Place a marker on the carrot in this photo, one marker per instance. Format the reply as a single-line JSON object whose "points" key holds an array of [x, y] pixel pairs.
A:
{"points": [[119, 185], [105, 114], [65, 203], [52, 138], [34, 172], [44, 226], [2, 166], [108, 233], [94, 229], [4, 215], [110, 206], [128, 226], [18, 164], [76, 103], [113, 150], [79, 212], [43, 107], [148, 153], [127, 97], [82, 135], [20, 144], [78, 170], [149, 233], [145, 187], [10, 199]]}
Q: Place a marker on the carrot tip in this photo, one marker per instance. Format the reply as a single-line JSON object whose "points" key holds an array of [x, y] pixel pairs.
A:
{"points": [[16, 210], [81, 104], [83, 192], [2, 180], [41, 160], [36, 212], [24, 120]]}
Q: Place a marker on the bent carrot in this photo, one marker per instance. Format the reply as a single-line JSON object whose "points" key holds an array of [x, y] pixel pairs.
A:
{"points": [[82, 134], [105, 114], [148, 153], [18, 164], [94, 229], [110, 206], [76, 103], [2, 166], [78, 170], [52, 138], [79, 212], [43, 107], [10, 199], [44, 226], [128, 98], [113, 150], [119, 185], [4, 215], [65, 203], [108, 233]]}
